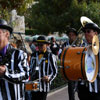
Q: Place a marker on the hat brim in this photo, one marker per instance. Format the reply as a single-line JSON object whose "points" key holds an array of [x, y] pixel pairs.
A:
{"points": [[97, 29], [6, 27]]}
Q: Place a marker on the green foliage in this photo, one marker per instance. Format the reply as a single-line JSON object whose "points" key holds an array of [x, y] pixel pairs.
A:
{"points": [[57, 16], [46, 17], [31, 32], [4, 13], [7, 5], [53, 15], [93, 12], [76, 10]]}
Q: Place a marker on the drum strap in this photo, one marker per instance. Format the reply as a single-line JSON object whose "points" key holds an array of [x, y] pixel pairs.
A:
{"points": [[82, 64]]}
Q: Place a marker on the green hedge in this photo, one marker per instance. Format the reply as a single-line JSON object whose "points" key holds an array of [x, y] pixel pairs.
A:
{"points": [[31, 32]]}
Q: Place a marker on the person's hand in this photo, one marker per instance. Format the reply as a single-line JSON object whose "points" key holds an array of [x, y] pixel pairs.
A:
{"points": [[45, 78], [2, 70]]}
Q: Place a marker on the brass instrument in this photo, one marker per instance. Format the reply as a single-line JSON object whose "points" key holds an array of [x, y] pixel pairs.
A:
{"points": [[95, 42], [95, 45], [84, 20]]}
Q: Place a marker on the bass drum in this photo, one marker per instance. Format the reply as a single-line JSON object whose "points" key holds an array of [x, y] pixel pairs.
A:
{"points": [[79, 63]]}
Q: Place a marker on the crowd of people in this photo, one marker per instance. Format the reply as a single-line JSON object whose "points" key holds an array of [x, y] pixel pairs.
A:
{"points": [[19, 68]]}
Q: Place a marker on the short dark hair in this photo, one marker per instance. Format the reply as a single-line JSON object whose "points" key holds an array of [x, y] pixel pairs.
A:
{"points": [[52, 38], [72, 30]]}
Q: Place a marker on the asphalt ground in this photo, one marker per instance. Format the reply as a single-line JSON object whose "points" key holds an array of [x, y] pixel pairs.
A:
{"points": [[60, 94]]}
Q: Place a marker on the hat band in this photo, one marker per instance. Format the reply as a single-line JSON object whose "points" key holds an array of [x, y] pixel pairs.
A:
{"points": [[41, 41]]}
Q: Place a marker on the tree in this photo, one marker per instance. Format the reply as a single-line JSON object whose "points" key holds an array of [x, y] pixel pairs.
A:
{"points": [[46, 16], [93, 12], [56, 16], [7, 5]]}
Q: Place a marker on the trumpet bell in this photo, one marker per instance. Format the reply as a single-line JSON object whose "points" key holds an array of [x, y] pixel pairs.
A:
{"points": [[84, 20], [95, 45]]}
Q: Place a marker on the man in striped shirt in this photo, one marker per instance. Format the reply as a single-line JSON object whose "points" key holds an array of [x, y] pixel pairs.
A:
{"points": [[43, 67], [13, 67], [87, 90]]}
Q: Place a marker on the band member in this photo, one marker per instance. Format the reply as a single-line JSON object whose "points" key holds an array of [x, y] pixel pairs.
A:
{"points": [[43, 67], [72, 34], [13, 67], [87, 90]]}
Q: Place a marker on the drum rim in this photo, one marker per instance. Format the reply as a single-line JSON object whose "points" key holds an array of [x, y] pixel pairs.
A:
{"points": [[84, 76], [63, 58], [96, 68]]}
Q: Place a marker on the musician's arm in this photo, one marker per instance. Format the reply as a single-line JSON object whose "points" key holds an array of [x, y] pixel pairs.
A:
{"points": [[20, 72], [32, 68], [53, 67]]}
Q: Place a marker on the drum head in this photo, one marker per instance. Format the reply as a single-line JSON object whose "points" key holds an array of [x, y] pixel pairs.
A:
{"points": [[91, 66]]}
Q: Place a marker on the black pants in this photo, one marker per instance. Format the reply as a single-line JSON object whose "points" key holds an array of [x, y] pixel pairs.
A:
{"points": [[28, 95], [71, 90], [39, 95], [85, 94]]}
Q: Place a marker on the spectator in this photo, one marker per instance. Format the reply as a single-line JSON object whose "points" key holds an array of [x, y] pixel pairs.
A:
{"points": [[54, 46]]}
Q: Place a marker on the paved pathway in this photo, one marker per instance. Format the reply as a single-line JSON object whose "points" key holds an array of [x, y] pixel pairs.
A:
{"points": [[61, 94]]}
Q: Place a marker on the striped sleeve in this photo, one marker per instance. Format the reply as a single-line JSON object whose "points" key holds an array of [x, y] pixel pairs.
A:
{"points": [[19, 71], [53, 67], [32, 69]]}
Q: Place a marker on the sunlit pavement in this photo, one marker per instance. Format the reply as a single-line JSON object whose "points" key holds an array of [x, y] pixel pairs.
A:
{"points": [[60, 94]]}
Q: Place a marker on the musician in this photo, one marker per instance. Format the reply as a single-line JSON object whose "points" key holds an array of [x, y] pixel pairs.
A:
{"points": [[43, 67], [13, 67], [87, 90], [72, 34]]}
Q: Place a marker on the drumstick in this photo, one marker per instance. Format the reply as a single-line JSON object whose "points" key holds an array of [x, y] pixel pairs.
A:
{"points": [[34, 80]]}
